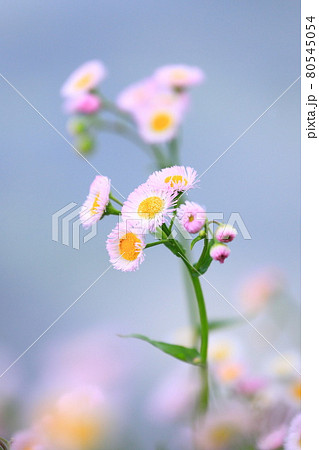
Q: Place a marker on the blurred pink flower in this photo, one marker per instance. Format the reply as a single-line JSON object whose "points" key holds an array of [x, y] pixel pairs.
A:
{"points": [[85, 78], [293, 439], [89, 358], [273, 440], [230, 373], [174, 397], [259, 289], [179, 76], [224, 429], [159, 122], [250, 385], [137, 96], [85, 104], [78, 420], [31, 439]]}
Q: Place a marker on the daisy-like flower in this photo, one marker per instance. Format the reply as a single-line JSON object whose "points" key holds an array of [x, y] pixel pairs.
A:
{"points": [[273, 440], [293, 439], [179, 76], [230, 372], [225, 233], [77, 420], [30, 439], [191, 216], [147, 207], [174, 179], [137, 96], [86, 77], [125, 246], [85, 104], [98, 198], [159, 121], [219, 252]]}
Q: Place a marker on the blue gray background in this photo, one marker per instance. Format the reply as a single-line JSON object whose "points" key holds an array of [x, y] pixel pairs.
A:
{"points": [[250, 53]]}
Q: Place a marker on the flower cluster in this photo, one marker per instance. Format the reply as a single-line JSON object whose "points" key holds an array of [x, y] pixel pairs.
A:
{"points": [[156, 106], [158, 103], [152, 207]]}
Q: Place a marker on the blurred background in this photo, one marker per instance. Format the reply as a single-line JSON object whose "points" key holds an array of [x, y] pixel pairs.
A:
{"points": [[249, 52]]}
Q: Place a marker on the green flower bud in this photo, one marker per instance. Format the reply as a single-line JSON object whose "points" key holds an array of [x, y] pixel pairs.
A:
{"points": [[85, 143], [76, 126], [202, 233]]}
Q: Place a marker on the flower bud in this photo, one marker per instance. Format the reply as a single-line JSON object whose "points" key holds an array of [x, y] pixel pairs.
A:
{"points": [[219, 252], [85, 143], [225, 233], [76, 126]]}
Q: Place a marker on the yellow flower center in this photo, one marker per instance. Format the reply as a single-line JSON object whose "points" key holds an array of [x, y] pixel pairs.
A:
{"points": [[230, 372], [222, 435], [149, 207], [222, 352], [95, 204], [128, 248], [191, 218], [84, 81], [161, 121], [179, 75], [176, 179], [75, 432], [296, 390]]}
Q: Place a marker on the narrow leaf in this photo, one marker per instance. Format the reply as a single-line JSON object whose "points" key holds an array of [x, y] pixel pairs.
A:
{"points": [[223, 323], [189, 355], [198, 238]]}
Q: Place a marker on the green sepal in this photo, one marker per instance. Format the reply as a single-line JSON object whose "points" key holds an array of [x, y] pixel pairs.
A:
{"points": [[189, 355], [110, 210]]}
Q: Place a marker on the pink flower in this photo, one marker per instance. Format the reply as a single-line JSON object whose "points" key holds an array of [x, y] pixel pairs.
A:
{"points": [[94, 206], [85, 104], [273, 440], [78, 420], [85, 78], [173, 179], [30, 439], [191, 216], [219, 252], [259, 289], [147, 207], [225, 233], [251, 385], [179, 76], [125, 247], [137, 95], [293, 438], [159, 121]]}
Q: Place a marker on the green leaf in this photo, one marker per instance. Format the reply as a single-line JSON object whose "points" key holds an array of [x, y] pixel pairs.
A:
{"points": [[205, 259], [223, 323], [198, 238], [189, 355]]}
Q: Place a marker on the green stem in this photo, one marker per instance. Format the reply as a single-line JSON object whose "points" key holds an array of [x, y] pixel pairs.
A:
{"points": [[174, 151], [204, 330], [202, 315], [153, 244], [160, 159], [115, 199]]}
